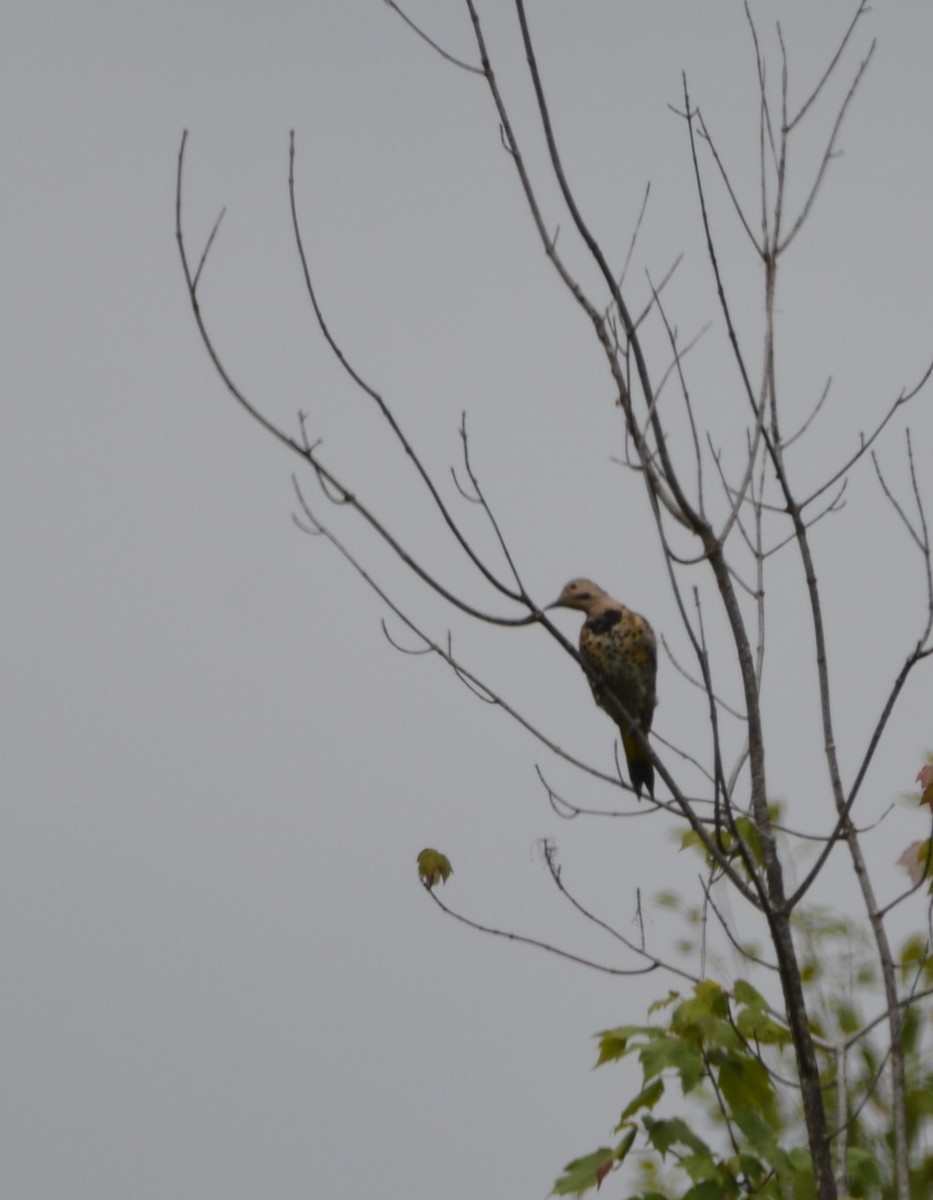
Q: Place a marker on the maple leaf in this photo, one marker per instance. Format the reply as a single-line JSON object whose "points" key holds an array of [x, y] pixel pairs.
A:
{"points": [[925, 779], [433, 867], [915, 860]]}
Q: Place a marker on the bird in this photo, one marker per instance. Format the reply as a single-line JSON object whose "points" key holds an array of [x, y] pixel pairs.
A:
{"points": [[619, 648]]}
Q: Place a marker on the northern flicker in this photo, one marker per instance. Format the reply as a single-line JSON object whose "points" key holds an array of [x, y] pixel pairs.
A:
{"points": [[619, 646]]}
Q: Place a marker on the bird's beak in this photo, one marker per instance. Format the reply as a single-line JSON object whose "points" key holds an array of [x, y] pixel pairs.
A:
{"points": [[557, 604]]}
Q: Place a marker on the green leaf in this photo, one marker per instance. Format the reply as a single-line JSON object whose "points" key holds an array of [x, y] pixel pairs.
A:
{"points": [[672, 1053], [688, 839], [748, 831], [588, 1172], [673, 1132], [708, 999], [848, 1017], [756, 1130], [809, 970], [914, 950], [703, 1017], [790, 1166], [709, 1189], [756, 1025], [862, 1169], [614, 1043], [702, 1168], [669, 999], [911, 1030], [750, 1166], [580, 1175], [753, 1020], [625, 1145], [744, 993], [746, 1084], [433, 867], [646, 1098]]}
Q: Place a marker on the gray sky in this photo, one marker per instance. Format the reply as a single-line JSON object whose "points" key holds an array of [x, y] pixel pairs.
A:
{"points": [[221, 978]]}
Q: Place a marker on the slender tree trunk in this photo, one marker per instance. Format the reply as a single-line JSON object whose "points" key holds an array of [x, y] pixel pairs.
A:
{"points": [[811, 1088]]}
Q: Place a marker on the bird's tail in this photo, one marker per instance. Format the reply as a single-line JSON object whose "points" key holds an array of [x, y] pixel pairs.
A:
{"points": [[640, 770]]}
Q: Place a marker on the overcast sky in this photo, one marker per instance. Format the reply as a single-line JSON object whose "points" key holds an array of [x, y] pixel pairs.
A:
{"points": [[221, 977]]}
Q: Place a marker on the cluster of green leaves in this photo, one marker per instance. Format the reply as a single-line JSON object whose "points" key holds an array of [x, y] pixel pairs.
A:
{"points": [[725, 1051], [712, 1046], [869, 1132], [869, 1128]]}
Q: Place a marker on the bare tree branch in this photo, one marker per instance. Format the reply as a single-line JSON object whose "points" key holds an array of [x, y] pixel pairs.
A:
{"points": [[457, 62]]}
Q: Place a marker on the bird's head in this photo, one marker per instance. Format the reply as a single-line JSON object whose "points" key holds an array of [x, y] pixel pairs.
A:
{"points": [[583, 594]]}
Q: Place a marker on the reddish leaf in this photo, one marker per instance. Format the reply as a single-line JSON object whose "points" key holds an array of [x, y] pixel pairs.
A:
{"points": [[915, 859], [925, 779], [603, 1170]]}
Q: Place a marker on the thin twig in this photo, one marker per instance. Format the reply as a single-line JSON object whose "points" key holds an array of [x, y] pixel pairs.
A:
{"points": [[457, 62], [524, 940]]}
